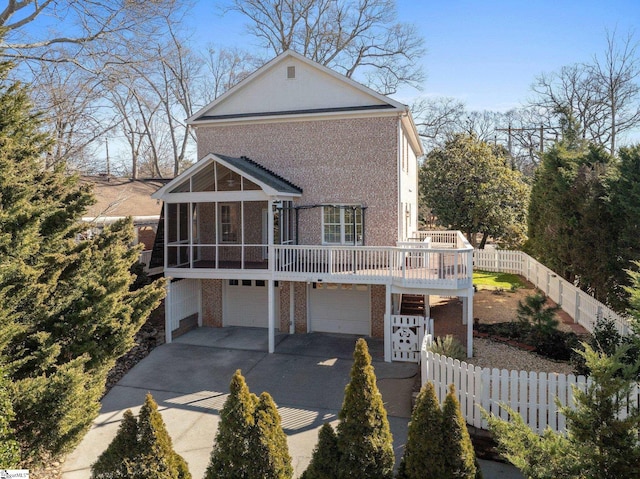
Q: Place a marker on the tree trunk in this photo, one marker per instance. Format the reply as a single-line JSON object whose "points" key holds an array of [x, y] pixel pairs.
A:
{"points": [[483, 242]]}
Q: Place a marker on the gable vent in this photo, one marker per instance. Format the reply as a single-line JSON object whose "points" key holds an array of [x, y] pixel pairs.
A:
{"points": [[291, 72]]}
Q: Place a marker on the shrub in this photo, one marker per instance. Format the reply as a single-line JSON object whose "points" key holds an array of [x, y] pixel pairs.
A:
{"points": [[141, 449], [324, 461], [364, 436], [269, 457], [424, 449], [231, 453], [250, 442], [459, 456], [448, 346], [542, 318]]}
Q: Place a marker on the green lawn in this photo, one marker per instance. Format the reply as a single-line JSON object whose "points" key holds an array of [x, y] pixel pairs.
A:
{"points": [[488, 280]]}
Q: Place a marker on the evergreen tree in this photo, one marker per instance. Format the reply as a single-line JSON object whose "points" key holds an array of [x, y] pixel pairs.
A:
{"points": [[118, 460], [468, 185], [231, 455], [459, 456], [571, 224], [600, 441], [141, 449], [9, 450], [623, 187], [269, 457], [424, 451], [364, 437], [67, 310], [324, 461], [156, 457]]}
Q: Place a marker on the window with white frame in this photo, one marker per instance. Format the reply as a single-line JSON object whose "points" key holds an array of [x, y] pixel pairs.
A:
{"points": [[229, 222], [339, 224]]}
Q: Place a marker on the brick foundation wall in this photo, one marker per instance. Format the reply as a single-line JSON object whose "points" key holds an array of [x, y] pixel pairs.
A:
{"points": [[378, 308], [285, 294], [212, 302], [300, 307]]}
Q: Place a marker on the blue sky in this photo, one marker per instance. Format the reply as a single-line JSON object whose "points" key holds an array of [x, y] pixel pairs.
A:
{"points": [[486, 53]]}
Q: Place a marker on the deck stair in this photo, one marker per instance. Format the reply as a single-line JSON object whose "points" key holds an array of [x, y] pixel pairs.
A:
{"points": [[412, 305]]}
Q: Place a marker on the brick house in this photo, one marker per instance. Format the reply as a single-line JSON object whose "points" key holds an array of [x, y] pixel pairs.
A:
{"points": [[301, 213]]}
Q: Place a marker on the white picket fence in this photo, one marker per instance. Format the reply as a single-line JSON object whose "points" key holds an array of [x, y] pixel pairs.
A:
{"points": [[533, 395], [583, 308]]}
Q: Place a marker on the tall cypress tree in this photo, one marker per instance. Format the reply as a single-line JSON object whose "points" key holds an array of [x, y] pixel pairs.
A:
{"points": [[364, 436], [424, 451], [459, 456], [269, 457], [231, 452], [156, 457], [324, 460], [68, 311], [141, 449], [118, 459]]}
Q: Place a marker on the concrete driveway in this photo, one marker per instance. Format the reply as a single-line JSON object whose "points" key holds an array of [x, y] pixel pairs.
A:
{"points": [[189, 379]]}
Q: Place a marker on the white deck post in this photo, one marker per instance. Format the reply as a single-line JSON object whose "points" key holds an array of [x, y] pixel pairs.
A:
{"points": [[271, 285], [168, 320], [469, 310], [272, 315], [387, 324]]}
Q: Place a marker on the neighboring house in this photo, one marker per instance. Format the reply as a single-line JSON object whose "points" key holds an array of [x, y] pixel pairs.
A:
{"points": [[118, 198], [301, 213]]}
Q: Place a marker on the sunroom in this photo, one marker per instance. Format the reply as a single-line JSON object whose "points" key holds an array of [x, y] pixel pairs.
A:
{"points": [[223, 213]]}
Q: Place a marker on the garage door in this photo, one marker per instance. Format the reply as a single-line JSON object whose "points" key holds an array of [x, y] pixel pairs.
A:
{"points": [[340, 308], [245, 303]]}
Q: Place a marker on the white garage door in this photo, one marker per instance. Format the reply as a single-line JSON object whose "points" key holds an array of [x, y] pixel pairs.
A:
{"points": [[245, 303], [340, 308]]}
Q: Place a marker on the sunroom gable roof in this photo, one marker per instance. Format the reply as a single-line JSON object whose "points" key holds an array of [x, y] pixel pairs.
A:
{"points": [[271, 183]]}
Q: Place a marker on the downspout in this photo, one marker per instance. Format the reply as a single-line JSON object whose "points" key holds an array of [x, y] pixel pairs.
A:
{"points": [[399, 173]]}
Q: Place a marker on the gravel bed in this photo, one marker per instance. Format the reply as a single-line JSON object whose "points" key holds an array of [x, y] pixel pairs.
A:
{"points": [[492, 354]]}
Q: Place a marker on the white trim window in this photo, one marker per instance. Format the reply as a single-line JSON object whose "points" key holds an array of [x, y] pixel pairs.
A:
{"points": [[229, 222], [338, 224]]}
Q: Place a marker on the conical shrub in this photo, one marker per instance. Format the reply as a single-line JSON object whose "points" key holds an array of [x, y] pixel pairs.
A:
{"points": [[364, 436], [459, 456], [270, 457], [423, 453], [141, 449], [324, 461]]}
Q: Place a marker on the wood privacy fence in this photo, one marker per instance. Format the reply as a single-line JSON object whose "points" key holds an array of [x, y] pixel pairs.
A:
{"points": [[583, 308], [533, 395]]}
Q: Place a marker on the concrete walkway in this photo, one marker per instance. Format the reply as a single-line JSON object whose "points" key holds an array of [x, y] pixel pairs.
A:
{"points": [[189, 379]]}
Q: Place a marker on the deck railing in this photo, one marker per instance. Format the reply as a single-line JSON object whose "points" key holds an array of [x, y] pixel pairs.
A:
{"points": [[409, 264], [444, 260]]}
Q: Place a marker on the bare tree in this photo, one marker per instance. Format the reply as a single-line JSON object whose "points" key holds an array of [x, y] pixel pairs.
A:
{"points": [[33, 27], [153, 96], [616, 78], [437, 119], [346, 35], [74, 112], [226, 67], [602, 96]]}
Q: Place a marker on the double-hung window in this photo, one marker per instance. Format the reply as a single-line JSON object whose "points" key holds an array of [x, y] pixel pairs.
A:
{"points": [[342, 224]]}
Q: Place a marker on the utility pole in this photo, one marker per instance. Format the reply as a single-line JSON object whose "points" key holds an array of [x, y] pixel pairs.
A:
{"points": [[106, 143]]}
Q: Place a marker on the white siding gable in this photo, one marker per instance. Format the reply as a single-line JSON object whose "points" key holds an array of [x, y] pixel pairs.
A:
{"points": [[270, 90]]}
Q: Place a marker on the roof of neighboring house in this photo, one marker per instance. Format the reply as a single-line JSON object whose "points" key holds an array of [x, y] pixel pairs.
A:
{"points": [[262, 174], [123, 196]]}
